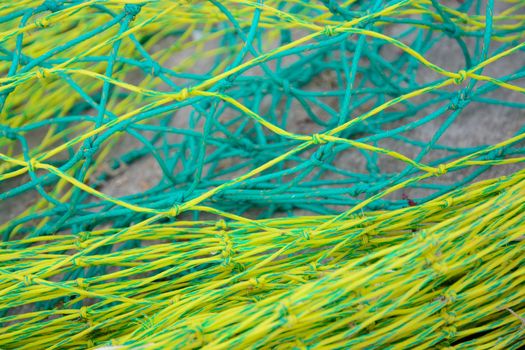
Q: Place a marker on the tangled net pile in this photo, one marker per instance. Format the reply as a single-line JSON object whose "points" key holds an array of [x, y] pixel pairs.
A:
{"points": [[282, 131]]}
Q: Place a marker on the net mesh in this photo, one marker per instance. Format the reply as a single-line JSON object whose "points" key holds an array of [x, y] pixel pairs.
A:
{"points": [[305, 176]]}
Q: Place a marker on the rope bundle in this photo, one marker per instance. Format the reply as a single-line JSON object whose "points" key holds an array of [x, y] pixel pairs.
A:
{"points": [[441, 273], [251, 110]]}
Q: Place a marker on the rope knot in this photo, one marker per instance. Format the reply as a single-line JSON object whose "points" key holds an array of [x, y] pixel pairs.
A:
{"points": [[182, 95], [28, 280], [459, 101], [321, 155], [42, 22], [89, 149], [89, 152], [286, 86], [228, 245], [31, 164], [83, 312], [287, 317], [227, 263], [237, 266], [318, 139], [316, 159], [448, 316], [440, 170], [198, 333], [330, 30], [226, 253], [174, 211], [447, 202], [7, 132], [450, 332], [155, 68], [366, 21], [359, 188], [460, 77], [422, 236], [316, 162], [52, 5], [452, 30], [132, 10], [120, 127], [79, 262], [440, 267], [221, 225], [84, 236], [300, 345], [332, 6], [175, 299], [258, 283], [81, 245], [306, 235], [291, 321], [81, 283], [228, 82], [41, 73], [450, 296], [365, 239], [430, 258]]}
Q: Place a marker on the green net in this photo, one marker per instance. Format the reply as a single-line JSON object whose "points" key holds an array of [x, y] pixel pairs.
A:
{"points": [[131, 130]]}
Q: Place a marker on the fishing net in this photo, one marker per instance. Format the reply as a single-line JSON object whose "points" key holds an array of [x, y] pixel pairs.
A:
{"points": [[278, 174]]}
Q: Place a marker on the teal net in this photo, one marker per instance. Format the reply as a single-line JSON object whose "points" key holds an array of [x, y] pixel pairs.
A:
{"points": [[336, 80]]}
